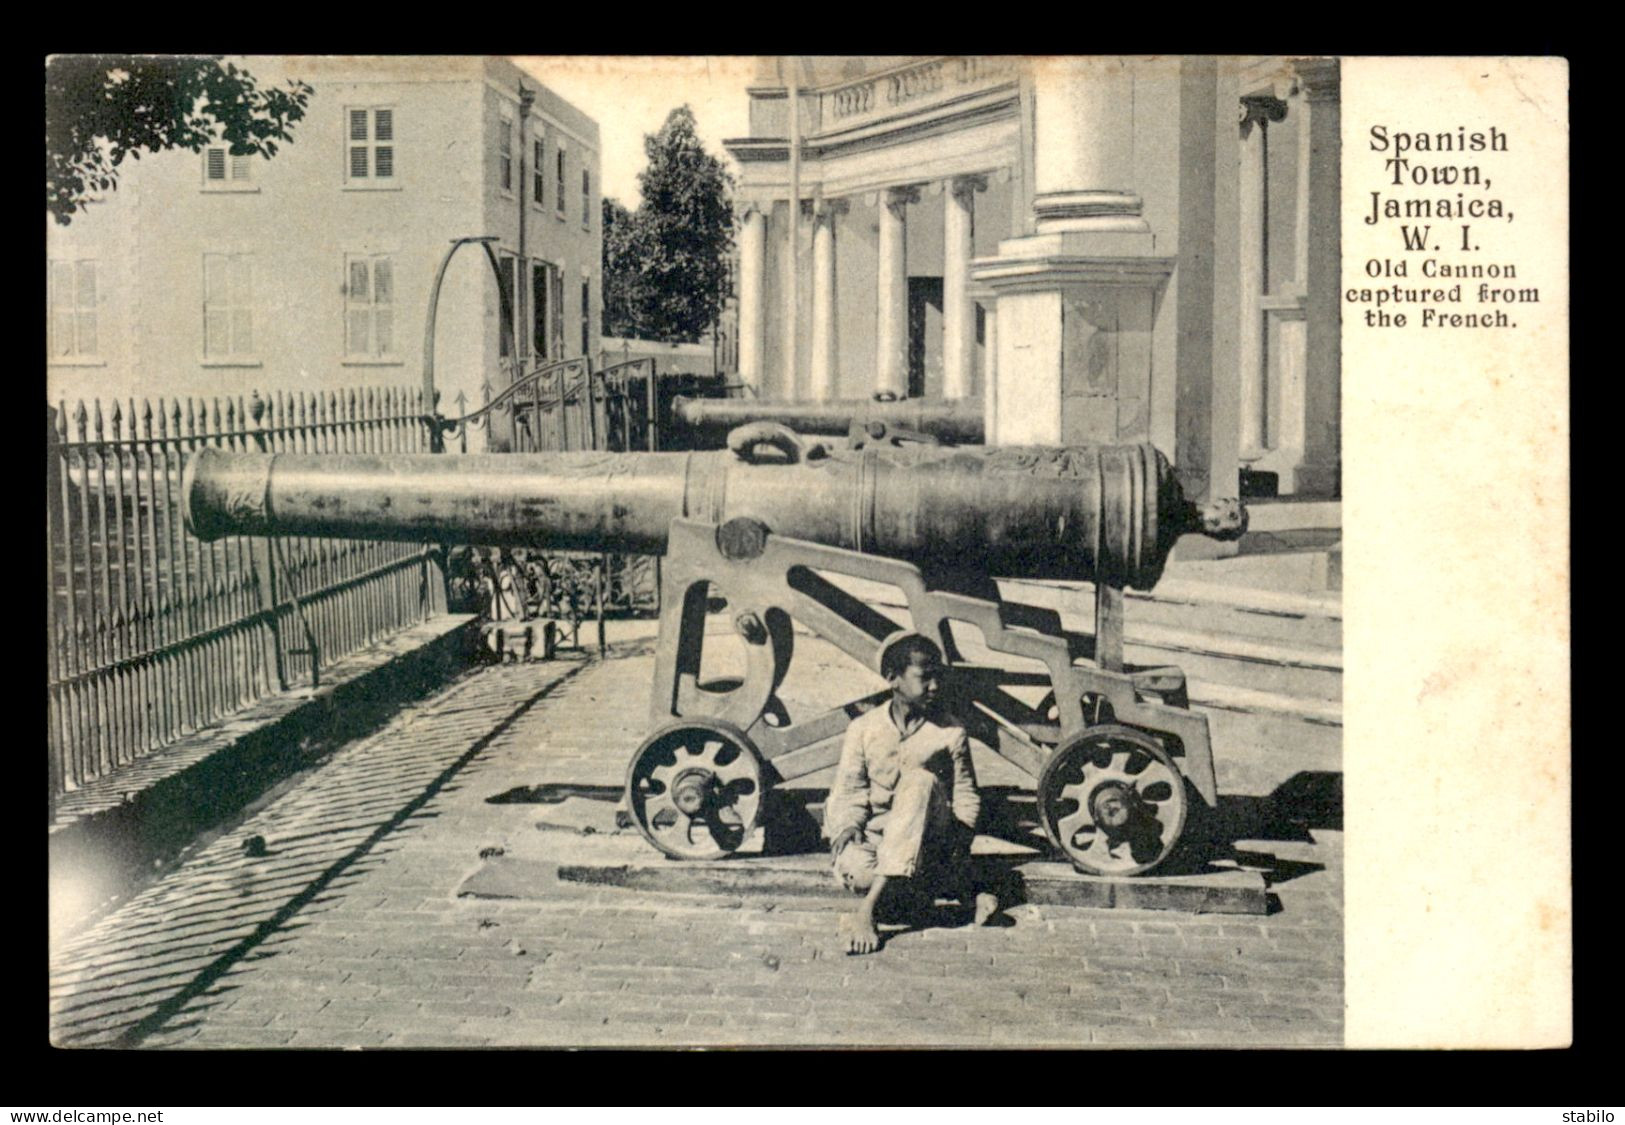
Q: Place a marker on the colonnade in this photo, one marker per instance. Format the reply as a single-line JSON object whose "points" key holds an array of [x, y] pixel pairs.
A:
{"points": [[891, 335]]}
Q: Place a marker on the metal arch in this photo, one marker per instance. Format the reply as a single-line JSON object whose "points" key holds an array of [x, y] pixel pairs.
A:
{"points": [[484, 240]]}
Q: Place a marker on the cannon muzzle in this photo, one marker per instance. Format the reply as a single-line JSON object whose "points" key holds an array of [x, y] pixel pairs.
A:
{"points": [[950, 421], [1089, 512]]}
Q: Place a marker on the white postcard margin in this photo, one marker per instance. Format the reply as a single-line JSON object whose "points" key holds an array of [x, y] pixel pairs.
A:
{"points": [[1456, 562]]}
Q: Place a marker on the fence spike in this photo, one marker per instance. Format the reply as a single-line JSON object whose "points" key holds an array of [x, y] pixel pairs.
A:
{"points": [[146, 417], [61, 421], [117, 418], [216, 423], [231, 415], [98, 419], [332, 407], [256, 406], [81, 418], [191, 416]]}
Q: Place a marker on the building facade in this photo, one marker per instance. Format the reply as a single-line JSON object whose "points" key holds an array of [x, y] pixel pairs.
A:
{"points": [[1101, 249], [207, 273]]}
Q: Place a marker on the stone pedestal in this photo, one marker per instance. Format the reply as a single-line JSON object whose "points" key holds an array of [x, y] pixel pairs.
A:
{"points": [[1073, 347]]}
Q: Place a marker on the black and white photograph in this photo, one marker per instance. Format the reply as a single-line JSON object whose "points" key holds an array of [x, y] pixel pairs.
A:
{"points": [[775, 551]]}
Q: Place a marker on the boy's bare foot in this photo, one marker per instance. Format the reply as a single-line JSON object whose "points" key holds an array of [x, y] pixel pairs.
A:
{"points": [[987, 905], [858, 933]]}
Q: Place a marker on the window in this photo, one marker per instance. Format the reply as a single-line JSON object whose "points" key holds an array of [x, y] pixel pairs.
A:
{"points": [[371, 158], [228, 306], [538, 177], [505, 308], [540, 287], [369, 306], [586, 316], [225, 172], [558, 191], [586, 198], [72, 299], [505, 154]]}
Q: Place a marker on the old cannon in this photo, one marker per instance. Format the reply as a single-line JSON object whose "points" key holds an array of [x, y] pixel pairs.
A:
{"points": [[949, 421], [774, 528]]}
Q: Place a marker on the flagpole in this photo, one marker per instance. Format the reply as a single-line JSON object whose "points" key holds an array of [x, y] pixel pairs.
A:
{"points": [[791, 387]]}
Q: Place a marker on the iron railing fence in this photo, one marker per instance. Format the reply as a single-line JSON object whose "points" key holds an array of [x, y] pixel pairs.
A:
{"points": [[153, 635], [564, 406]]}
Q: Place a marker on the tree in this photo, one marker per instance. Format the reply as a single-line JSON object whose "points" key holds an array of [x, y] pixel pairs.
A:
{"points": [[101, 108], [625, 289], [666, 264]]}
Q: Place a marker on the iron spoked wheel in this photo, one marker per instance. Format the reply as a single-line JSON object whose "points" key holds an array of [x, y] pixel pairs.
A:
{"points": [[1113, 801], [695, 789]]}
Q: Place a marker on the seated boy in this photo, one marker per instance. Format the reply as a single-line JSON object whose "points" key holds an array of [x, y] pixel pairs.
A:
{"points": [[904, 803]]}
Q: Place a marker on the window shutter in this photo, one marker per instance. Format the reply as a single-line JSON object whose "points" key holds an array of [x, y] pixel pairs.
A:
{"points": [[385, 163], [384, 324], [60, 297], [536, 173], [84, 285], [358, 124], [242, 300], [558, 313], [239, 168], [215, 164], [358, 162], [383, 125]]}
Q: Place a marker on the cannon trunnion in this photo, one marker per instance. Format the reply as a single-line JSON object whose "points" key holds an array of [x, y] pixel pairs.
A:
{"points": [[773, 529]]}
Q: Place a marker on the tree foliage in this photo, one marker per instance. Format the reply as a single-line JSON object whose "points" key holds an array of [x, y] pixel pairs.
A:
{"points": [[101, 108], [666, 264]]}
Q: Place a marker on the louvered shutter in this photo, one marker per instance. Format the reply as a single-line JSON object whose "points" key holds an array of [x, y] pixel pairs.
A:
{"points": [[358, 317], [383, 300]]}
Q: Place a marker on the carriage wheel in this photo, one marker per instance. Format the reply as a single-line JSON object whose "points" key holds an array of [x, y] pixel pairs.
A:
{"points": [[695, 789], [1112, 800]]}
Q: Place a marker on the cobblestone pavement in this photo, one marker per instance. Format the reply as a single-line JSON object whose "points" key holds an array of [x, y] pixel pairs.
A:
{"points": [[349, 932]]}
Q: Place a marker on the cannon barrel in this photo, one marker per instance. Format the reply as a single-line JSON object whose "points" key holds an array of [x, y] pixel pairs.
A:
{"points": [[1106, 512], [952, 421]]}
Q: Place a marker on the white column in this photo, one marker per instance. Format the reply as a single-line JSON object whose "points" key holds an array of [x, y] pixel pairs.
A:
{"points": [[1256, 112], [1083, 165], [958, 310], [1320, 473], [891, 298], [752, 262], [821, 383]]}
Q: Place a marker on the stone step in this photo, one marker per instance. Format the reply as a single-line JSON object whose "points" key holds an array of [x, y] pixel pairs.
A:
{"points": [[1309, 620], [1262, 666]]}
